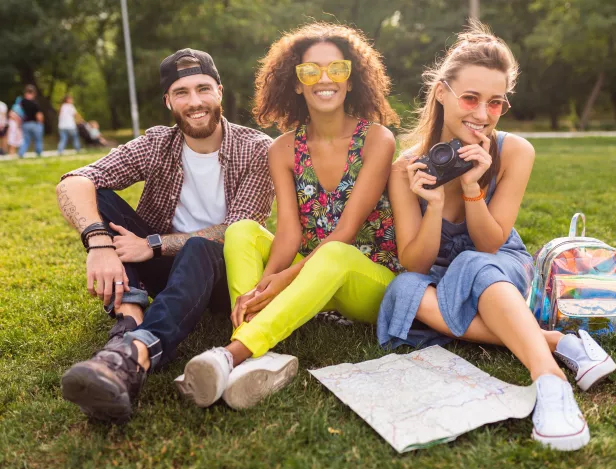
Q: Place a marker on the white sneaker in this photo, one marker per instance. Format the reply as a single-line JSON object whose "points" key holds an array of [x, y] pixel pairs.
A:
{"points": [[557, 420], [205, 376], [257, 378], [585, 357]]}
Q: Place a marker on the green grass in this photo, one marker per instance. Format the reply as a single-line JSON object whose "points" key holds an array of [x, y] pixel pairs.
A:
{"points": [[48, 322]]}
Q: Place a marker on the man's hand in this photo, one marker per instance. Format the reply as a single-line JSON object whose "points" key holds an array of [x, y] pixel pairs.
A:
{"points": [[130, 247], [105, 269]]}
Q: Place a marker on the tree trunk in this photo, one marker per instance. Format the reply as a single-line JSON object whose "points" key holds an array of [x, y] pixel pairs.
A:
{"points": [[113, 114], [377, 31], [355, 12], [590, 102], [230, 106], [613, 99], [554, 114]]}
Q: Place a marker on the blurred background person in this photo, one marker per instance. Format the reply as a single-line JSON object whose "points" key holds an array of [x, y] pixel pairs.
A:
{"points": [[32, 126], [4, 126], [91, 134], [95, 133], [14, 135], [67, 125]]}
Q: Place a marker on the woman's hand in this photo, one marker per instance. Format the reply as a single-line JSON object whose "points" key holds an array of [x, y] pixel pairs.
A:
{"points": [[249, 304], [268, 288], [239, 310], [479, 154], [417, 178]]}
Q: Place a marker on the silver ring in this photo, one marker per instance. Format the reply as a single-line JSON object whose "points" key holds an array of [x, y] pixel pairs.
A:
{"points": [[119, 283]]}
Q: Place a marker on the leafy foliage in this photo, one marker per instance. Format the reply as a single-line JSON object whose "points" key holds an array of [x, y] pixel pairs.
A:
{"points": [[67, 45]]}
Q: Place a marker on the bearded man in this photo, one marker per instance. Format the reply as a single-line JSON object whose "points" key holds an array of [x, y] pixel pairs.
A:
{"points": [[200, 176]]}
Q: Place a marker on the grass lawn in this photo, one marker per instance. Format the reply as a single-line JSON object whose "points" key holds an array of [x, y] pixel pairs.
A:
{"points": [[48, 322]]}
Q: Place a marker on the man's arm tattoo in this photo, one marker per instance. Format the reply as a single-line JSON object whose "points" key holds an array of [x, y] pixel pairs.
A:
{"points": [[69, 210], [172, 243]]}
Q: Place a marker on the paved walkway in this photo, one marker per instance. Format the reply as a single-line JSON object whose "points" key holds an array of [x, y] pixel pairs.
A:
{"points": [[48, 153], [45, 154], [610, 133]]}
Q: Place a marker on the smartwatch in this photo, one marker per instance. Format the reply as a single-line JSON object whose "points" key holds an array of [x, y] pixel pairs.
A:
{"points": [[156, 244]]}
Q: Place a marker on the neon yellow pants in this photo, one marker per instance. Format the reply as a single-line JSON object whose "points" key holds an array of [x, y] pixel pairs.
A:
{"points": [[337, 277]]}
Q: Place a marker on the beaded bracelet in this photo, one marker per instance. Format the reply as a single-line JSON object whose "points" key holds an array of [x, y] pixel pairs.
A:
{"points": [[98, 226], [111, 246], [474, 199], [97, 233]]}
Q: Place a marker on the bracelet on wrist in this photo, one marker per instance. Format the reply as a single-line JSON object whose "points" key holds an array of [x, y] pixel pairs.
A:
{"points": [[104, 246], [97, 233], [474, 199], [98, 226]]}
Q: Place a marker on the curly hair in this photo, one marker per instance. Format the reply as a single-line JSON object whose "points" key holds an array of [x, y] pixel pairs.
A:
{"points": [[276, 101]]}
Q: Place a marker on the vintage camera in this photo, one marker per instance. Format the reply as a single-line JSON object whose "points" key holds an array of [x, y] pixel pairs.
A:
{"points": [[443, 162]]}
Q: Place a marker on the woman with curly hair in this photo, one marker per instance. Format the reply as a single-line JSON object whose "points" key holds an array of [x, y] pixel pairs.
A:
{"points": [[334, 245], [468, 269]]}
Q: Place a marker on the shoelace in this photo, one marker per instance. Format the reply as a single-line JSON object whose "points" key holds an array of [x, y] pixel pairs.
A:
{"points": [[553, 398]]}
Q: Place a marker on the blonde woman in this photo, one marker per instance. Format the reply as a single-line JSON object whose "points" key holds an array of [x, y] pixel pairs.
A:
{"points": [[468, 270]]}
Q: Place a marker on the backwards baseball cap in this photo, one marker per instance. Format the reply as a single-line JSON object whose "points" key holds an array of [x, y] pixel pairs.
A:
{"points": [[169, 72]]}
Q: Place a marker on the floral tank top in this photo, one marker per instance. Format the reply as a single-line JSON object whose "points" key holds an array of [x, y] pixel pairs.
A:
{"points": [[320, 210]]}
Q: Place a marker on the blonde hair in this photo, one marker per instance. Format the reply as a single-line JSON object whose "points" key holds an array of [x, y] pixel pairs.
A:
{"points": [[478, 46]]}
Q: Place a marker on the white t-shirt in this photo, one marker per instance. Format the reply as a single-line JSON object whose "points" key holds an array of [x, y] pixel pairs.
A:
{"points": [[3, 115], [66, 118], [202, 200]]}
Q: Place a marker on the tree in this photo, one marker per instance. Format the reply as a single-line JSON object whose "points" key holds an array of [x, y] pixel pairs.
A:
{"points": [[582, 34], [41, 55]]}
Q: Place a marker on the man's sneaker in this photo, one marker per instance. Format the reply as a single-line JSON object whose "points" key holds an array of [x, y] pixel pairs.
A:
{"points": [[557, 419], [205, 376], [105, 385], [585, 357], [256, 378]]}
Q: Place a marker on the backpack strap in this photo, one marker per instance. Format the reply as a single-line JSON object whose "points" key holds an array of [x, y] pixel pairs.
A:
{"points": [[573, 225]]}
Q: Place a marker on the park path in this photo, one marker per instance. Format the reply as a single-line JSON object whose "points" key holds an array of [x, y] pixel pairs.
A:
{"points": [[48, 153]]}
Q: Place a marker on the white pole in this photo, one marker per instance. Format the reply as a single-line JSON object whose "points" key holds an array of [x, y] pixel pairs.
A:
{"points": [[134, 110], [474, 9]]}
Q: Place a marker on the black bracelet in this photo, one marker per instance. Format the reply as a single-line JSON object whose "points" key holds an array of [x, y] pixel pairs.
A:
{"points": [[97, 233], [98, 226], [111, 246]]}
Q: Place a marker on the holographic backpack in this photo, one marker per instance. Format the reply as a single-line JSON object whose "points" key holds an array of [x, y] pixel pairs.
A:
{"points": [[574, 286]]}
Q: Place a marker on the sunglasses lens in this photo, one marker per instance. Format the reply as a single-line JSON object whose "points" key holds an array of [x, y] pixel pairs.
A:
{"points": [[504, 107], [495, 107], [308, 74], [339, 71], [468, 102]]}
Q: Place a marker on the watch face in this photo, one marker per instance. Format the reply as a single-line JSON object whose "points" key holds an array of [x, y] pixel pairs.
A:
{"points": [[155, 241]]}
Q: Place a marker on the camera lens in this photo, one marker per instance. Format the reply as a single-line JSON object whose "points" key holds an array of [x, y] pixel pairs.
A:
{"points": [[441, 154]]}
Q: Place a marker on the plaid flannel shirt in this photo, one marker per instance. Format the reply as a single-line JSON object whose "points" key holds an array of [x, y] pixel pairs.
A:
{"points": [[156, 158]]}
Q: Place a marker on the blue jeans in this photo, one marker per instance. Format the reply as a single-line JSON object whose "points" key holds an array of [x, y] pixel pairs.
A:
{"points": [[64, 135], [32, 130], [183, 286]]}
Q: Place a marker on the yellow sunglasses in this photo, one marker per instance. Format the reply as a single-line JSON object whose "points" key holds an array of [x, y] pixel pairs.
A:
{"points": [[310, 73]]}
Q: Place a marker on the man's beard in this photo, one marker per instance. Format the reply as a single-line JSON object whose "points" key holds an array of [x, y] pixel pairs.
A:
{"points": [[200, 132]]}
